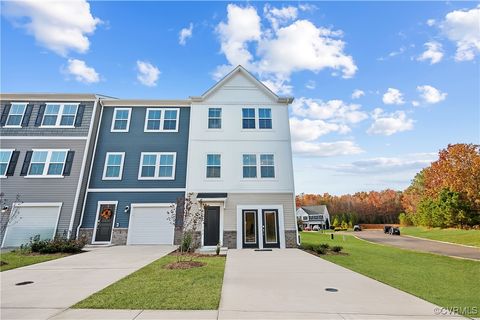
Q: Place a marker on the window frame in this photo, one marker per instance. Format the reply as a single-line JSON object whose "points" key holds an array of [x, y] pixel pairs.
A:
{"points": [[162, 119], [271, 119], [249, 118], [213, 118], [105, 166], [59, 115], [256, 166], [8, 162], [47, 164], [259, 166], [10, 112], [157, 166], [207, 166], [112, 128]]}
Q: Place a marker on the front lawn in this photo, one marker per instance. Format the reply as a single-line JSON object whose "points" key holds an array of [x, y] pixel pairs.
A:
{"points": [[13, 259], [467, 237], [154, 287], [444, 281]]}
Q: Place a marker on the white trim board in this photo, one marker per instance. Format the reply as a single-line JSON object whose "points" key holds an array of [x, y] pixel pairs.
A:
{"points": [[147, 205], [99, 203], [135, 189], [221, 204]]}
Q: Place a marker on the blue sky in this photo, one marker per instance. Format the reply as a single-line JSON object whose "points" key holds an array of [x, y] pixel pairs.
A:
{"points": [[414, 67]]}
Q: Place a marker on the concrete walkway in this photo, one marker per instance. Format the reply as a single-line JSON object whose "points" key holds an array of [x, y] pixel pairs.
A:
{"points": [[417, 244], [58, 284]]}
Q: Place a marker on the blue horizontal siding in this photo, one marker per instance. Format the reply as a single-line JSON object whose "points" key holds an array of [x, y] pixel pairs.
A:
{"points": [[124, 199], [133, 143]]}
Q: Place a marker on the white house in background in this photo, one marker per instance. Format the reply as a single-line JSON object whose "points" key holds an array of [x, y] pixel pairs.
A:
{"points": [[240, 164], [314, 216]]}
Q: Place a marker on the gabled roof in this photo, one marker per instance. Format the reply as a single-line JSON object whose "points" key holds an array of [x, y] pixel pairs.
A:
{"points": [[258, 83], [310, 210]]}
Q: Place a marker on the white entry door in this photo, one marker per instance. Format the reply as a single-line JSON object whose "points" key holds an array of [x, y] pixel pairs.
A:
{"points": [[150, 224], [30, 219]]}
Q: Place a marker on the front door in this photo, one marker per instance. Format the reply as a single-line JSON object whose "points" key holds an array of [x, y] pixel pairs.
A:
{"points": [[105, 222], [270, 229], [211, 231], [250, 237]]}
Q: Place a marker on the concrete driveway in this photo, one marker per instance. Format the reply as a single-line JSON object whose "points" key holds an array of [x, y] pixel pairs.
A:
{"points": [[290, 284], [58, 284], [417, 244]]}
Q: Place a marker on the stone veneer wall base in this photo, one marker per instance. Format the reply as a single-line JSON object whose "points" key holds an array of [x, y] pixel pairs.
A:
{"points": [[230, 239], [291, 239]]}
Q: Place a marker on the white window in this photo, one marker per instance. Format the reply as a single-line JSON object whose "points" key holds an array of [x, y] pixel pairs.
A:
{"points": [[15, 116], [214, 118], [213, 165], [121, 120], [60, 115], [266, 166], [5, 156], [157, 166], [161, 120], [265, 118], [113, 169], [248, 118], [47, 163], [305, 218]]}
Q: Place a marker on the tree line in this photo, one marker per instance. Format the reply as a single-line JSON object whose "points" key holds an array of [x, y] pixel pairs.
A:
{"points": [[445, 194]]}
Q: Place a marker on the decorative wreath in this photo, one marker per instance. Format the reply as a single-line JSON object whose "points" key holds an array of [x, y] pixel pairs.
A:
{"points": [[106, 214]]}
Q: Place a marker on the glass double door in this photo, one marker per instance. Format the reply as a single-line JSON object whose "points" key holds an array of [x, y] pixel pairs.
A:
{"points": [[260, 226]]}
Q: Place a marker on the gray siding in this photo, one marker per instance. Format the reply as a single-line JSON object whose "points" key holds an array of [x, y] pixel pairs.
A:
{"points": [[136, 141], [124, 199], [31, 130], [45, 189]]}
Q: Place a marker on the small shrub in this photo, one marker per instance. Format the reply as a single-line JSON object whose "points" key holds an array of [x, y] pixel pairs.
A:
{"points": [[58, 245], [337, 249], [337, 229], [187, 240], [320, 249], [325, 246], [306, 246]]}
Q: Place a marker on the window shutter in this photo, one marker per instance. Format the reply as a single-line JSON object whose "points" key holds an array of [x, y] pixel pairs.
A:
{"points": [[41, 111], [5, 112], [26, 163], [68, 163], [79, 118], [26, 116], [13, 163]]}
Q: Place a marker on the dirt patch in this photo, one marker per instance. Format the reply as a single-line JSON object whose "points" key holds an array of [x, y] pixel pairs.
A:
{"points": [[3, 263], [185, 265]]}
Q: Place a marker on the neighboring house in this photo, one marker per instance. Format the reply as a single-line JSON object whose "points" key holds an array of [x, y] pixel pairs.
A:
{"points": [[138, 173], [45, 143], [240, 164], [311, 216]]}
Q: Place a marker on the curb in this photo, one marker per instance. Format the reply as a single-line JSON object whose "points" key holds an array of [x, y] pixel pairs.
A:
{"points": [[455, 244]]}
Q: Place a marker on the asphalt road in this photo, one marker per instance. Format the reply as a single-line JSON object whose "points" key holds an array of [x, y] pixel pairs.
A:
{"points": [[404, 242]]}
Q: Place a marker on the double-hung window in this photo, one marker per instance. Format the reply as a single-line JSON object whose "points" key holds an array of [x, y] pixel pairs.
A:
{"points": [[214, 118], [265, 118], [5, 156], [59, 115], [266, 166], [248, 118], [157, 166], [214, 165], [161, 120], [113, 169], [121, 120], [15, 116], [47, 163], [249, 166]]}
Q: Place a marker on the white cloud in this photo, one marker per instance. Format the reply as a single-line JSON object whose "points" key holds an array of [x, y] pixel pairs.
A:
{"points": [[388, 124], [147, 73], [60, 26], [333, 110], [434, 52], [357, 93], [279, 16], [278, 86], [184, 34], [310, 130], [431, 22], [289, 46], [81, 71], [415, 103], [463, 28], [310, 84], [430, 94], [393, 96], [326, 149]]}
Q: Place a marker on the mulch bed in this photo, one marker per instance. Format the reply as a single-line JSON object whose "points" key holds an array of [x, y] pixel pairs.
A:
{"points": [[185, 265]]}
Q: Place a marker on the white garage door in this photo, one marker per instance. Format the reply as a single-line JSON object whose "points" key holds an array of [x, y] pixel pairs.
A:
{"points": [[28, 220], [149, 224]]}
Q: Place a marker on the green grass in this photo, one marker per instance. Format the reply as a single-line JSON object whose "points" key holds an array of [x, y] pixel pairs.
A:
{"points": [[467, 237], [17, 260], [444, 281], [154, 287]]}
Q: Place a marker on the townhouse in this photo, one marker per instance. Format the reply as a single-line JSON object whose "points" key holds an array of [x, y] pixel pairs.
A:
{"points": [[45, 148], [123, 165]]}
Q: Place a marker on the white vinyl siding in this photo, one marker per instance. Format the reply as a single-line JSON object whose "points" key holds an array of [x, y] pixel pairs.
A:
{"points": [[121, 120], [113, 169], [15, 115], [60, 115], [157, 166]]}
